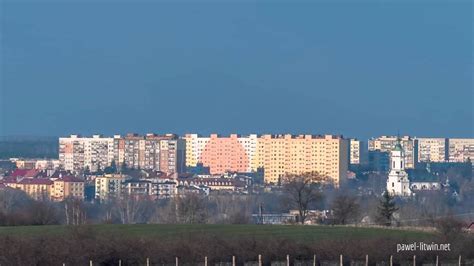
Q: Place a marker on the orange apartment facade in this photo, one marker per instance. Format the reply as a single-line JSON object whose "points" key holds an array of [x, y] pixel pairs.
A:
{"points": [[278, 155]]}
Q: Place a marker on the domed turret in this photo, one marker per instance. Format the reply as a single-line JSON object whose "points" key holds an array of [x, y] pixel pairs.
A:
{"points": [[398, 182]]}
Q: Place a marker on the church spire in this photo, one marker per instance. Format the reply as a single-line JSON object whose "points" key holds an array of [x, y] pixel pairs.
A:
{"points": [[398, 144]]}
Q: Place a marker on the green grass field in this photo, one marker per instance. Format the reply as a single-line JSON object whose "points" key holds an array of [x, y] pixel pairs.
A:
{"points": [[296, 232]]}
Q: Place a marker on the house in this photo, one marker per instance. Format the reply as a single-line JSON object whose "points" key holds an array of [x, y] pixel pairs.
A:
{"points": [[67, 187]]}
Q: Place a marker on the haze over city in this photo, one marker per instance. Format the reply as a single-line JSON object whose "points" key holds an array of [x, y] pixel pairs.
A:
{"points": [[355, 69]]}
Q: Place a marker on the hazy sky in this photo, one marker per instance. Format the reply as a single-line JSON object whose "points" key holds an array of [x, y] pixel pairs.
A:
{"points": [[355, 69]]}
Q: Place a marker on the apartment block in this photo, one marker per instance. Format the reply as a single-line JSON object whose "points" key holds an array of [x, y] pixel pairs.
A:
{"points": [[36, 188], [357, 152], [109, 186], [460, 150], [221, 154], [158, 152], [387, 143], [67, 187], [280, 155], [77, 153], [432, 150], [165, 153], [172, 156]]}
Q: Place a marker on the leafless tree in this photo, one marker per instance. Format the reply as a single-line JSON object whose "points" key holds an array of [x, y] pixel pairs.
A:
{"points": [[131, 209], [345, 209], [234, 209], [11, 199], [191, 208], [301, 191], [74, 211]]}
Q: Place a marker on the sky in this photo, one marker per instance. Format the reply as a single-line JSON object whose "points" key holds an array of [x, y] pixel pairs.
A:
{"points": [[323, 67]]}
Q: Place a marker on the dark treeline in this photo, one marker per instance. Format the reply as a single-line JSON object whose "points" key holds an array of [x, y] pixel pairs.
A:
{"points": [[80, 244], [28, 147]]}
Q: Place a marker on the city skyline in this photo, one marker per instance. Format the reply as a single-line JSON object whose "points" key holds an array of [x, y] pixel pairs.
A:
{"points": [[236, 132], [266, 68]]}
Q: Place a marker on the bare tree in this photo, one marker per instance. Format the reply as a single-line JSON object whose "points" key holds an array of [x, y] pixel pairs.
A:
{"points": [[191, 208], [233, 209], [74, 211], [131, 209], [345, 209], [301, 191], [11, 199]]}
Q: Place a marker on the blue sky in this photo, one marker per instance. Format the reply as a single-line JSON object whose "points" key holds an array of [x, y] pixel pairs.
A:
{"points": [[361, 70]]}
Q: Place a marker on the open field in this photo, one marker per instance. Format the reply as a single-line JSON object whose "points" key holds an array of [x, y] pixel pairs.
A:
{"points": [[294, 232], [162, 244]]}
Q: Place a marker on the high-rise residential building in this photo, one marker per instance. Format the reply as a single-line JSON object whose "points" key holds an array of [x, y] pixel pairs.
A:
{"points": [[134, 151], [460, 150], [280, 155], [77, 153], [139, 152], [387, 143], [221, 154], [195, 145], [357, 152], [172, 156], [432, 150]]}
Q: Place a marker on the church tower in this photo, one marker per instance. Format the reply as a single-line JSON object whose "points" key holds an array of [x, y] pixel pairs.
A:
{"points": [[398, 183]]}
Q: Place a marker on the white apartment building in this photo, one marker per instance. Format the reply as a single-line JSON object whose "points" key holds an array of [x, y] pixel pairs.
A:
{"points": [[250, 143], [195, 145], [357, 152], [77, 153]]}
